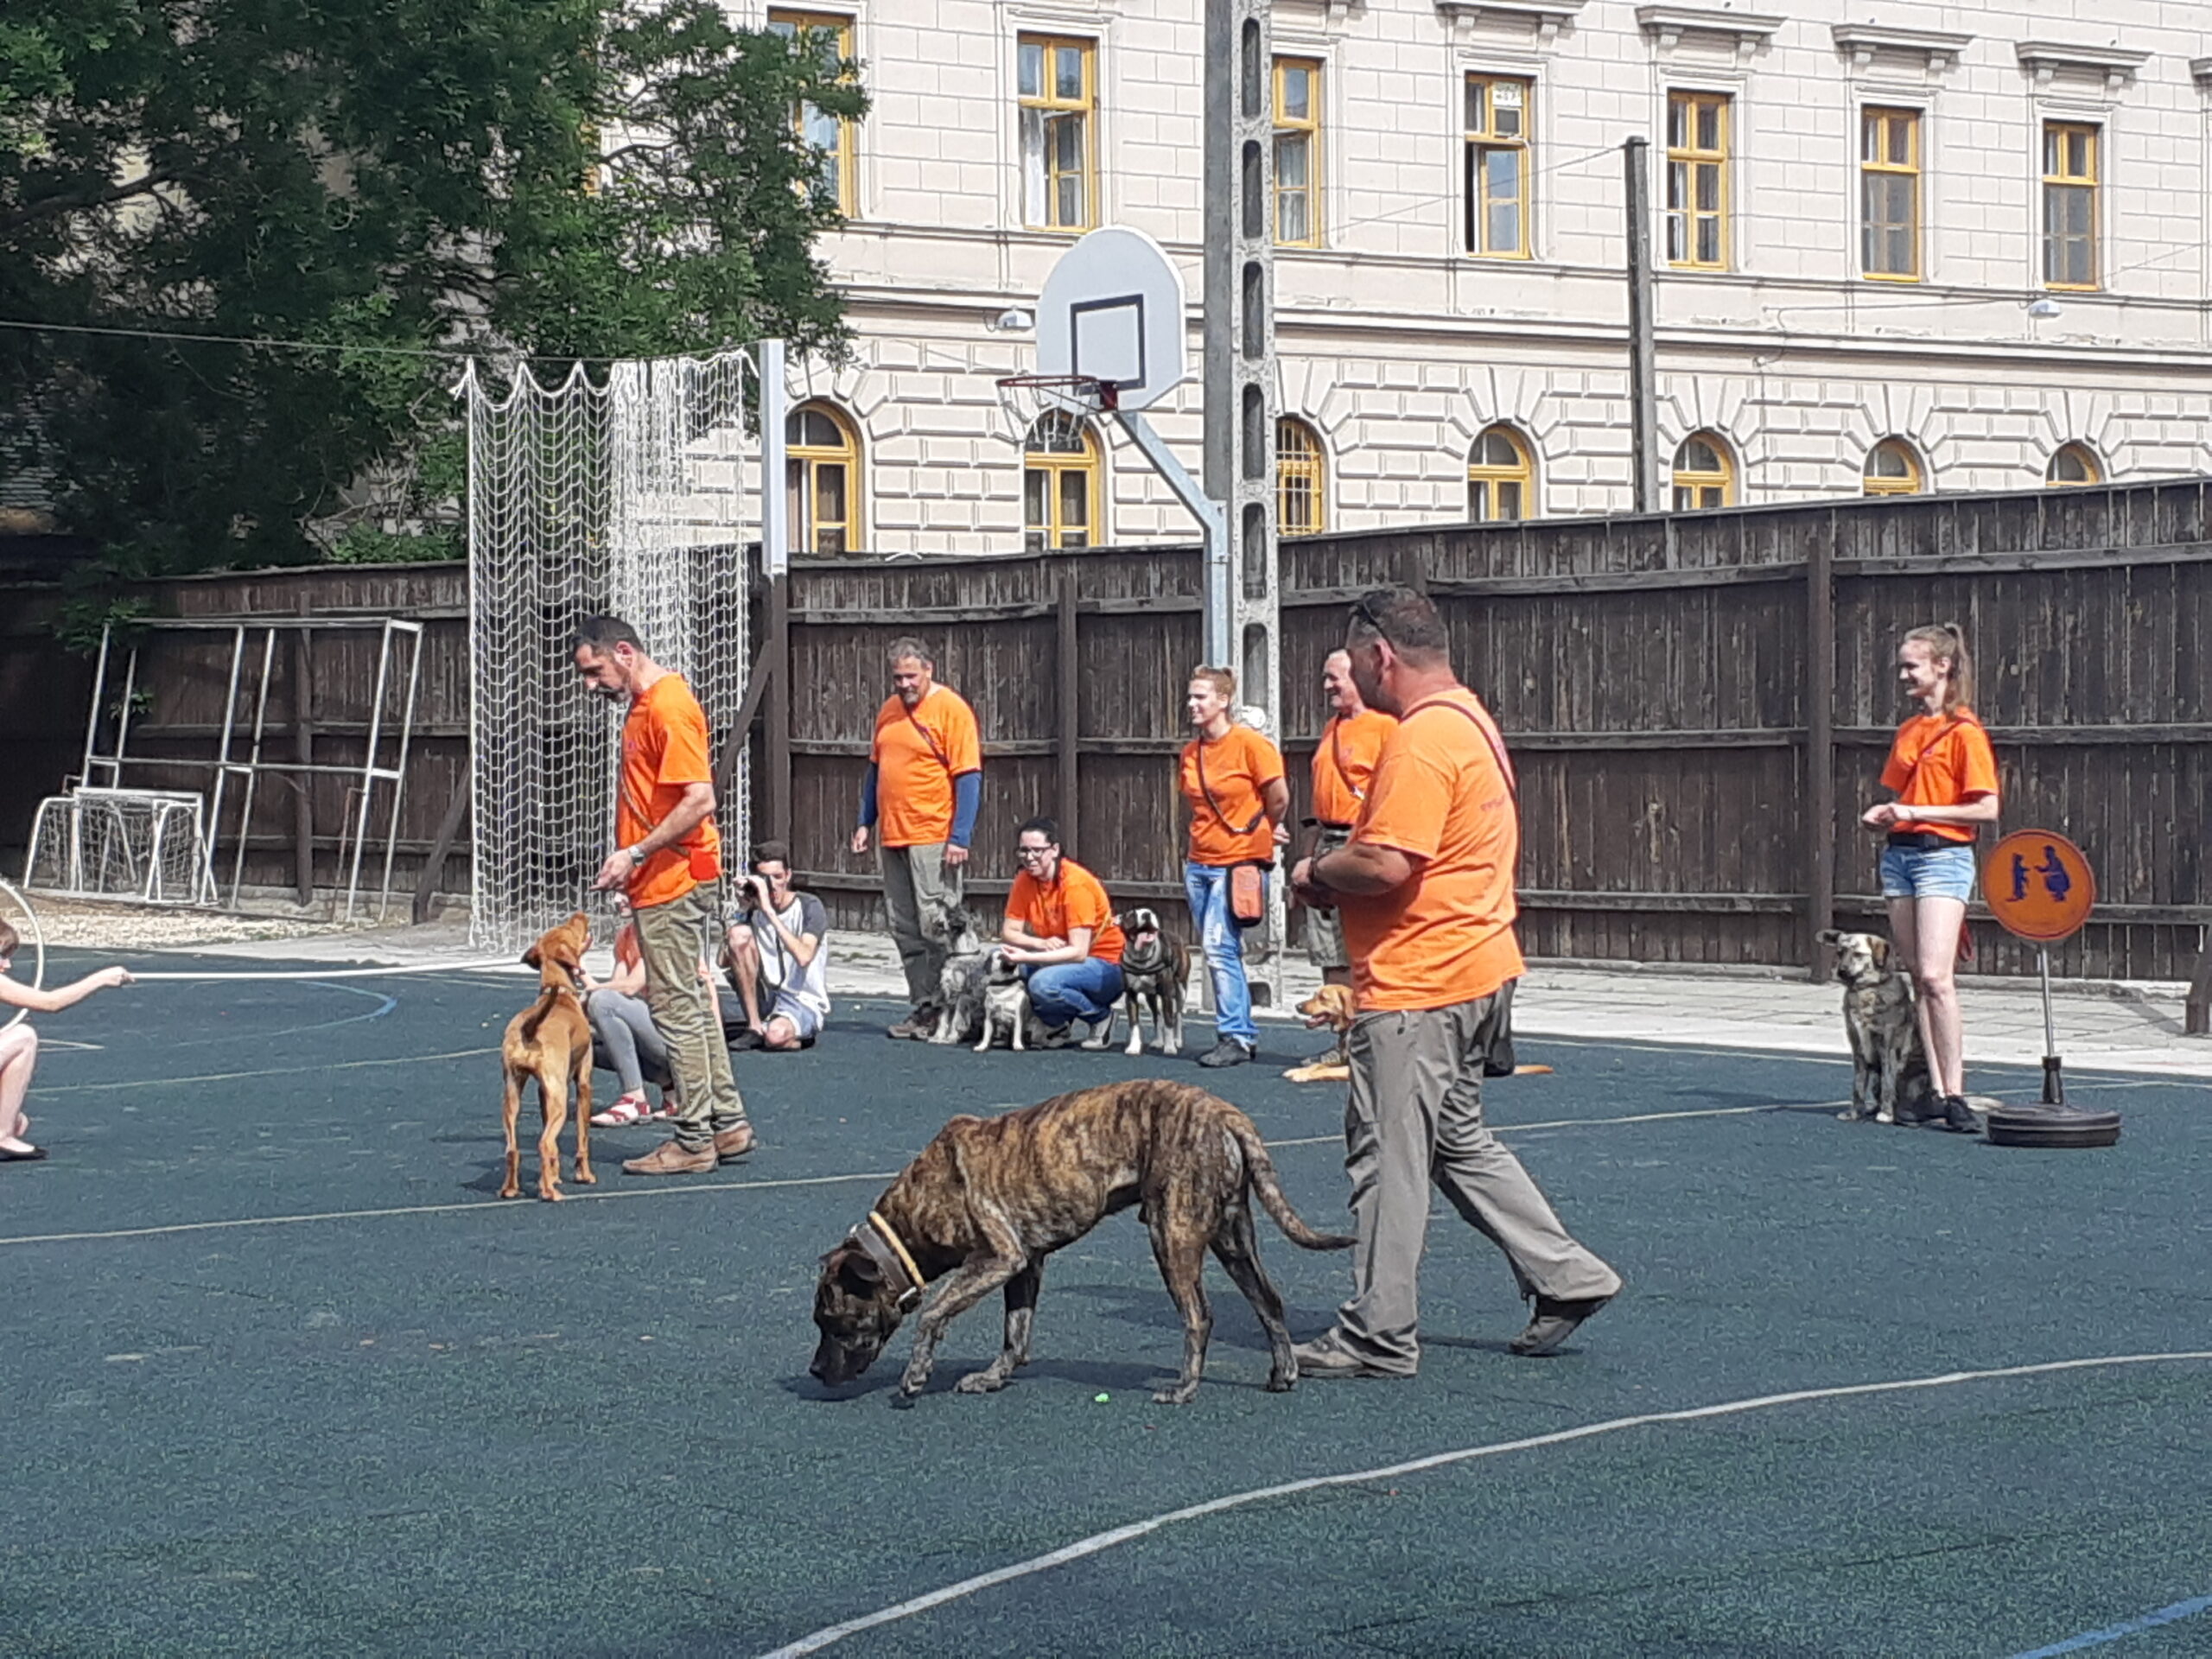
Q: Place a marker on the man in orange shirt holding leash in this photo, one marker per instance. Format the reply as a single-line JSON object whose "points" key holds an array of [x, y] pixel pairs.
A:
{"points": [[1425, 887], [1060, 932], [923, 784], [667, 863], [1344, 762]]}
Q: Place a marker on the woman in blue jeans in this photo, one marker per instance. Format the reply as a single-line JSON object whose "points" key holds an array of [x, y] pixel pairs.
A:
{"points": [[1232, 777], [1944, 777]]}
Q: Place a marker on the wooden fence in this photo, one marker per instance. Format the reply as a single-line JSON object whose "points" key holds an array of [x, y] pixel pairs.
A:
{"points": [[1698, 705]]}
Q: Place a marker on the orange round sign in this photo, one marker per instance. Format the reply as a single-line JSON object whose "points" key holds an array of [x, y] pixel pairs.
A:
{"points": [[2038, 885]]}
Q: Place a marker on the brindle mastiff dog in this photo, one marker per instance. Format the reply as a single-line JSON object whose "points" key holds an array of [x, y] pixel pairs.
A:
{"points": [[990, 1198]]}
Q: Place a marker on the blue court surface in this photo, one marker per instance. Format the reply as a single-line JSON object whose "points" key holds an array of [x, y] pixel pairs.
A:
{"points": [[282, 1376]]}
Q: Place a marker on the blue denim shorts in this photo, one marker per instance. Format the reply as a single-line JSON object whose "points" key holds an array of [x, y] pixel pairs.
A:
{"points": [[1937, 873]]}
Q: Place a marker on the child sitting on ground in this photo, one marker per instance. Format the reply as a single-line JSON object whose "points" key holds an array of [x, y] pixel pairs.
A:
{"points": [[19, 1042]]}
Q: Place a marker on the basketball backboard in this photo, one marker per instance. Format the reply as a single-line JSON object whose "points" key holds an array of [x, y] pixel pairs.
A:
{"points": [[1113, 310]]}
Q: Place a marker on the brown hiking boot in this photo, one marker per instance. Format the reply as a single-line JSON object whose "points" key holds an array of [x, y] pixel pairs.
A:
{"points": [[671, 1157], [733, 1143]]}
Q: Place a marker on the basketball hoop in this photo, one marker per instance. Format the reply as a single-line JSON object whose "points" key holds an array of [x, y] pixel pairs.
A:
{"points": [[1029, 397]]}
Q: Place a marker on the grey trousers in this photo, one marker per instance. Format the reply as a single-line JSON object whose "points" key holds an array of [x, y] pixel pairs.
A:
{"points": [[671, 938], [916, 884], [624, 1040], [1416, 1115]]}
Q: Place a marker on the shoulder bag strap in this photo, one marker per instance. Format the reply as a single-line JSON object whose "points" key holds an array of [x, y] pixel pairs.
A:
{"points": [[1489, 736], [1257, 818], [930, 738]]}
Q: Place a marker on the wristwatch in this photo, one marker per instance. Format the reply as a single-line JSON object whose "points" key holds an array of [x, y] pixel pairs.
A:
{"points": [[637, 856]]}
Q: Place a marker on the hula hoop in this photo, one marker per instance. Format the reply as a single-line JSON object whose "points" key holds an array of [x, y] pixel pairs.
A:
{"points": [[15, 910]]}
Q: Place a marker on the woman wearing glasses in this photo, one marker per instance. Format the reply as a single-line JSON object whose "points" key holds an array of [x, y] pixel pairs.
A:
{"points": [[1059, 932]]}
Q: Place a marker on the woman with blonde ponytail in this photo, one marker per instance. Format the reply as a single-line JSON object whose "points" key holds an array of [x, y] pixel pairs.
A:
{"points": [[1944, 778]]}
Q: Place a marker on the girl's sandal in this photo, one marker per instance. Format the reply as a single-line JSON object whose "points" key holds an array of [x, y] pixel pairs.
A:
{"points": [[630, 1109]]}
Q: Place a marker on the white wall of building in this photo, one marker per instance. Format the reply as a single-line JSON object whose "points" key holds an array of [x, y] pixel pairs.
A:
{"points": [[1399, 347]]}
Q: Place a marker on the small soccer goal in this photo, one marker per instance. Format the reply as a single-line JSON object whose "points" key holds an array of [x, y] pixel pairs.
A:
{"points": [[149, 845]]}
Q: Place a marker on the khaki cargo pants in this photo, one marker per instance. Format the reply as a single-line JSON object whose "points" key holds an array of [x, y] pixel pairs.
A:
{"points": [[671, 938]]}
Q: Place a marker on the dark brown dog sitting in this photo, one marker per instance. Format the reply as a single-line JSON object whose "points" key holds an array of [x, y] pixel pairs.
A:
{"points": [[550, 1040], [989, 1198]]}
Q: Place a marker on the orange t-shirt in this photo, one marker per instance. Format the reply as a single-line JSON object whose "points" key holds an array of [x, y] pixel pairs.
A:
{"points": [[1345, 762], [1447, 936], [1074, 900], [664, 748], [915, 760], [1940, 760], [1238, 765]]}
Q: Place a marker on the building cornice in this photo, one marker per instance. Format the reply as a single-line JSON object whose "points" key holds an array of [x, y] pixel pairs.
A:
{"points": [[1935, 49], [1547, 17], [2115, 66], [1745, 30], [2201, 69]]}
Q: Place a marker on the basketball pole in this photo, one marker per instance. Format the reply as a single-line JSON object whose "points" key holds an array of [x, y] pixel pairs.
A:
{"points": [[1242, 588]]}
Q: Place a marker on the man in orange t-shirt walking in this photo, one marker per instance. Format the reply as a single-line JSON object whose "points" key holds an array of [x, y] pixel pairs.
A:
{"points": [[1344, 762], [1232, 778], [1425, 887], [924, 784], [1060, 932], [667, 863]]}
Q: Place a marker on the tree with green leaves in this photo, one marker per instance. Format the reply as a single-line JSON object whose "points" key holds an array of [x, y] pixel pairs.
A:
{"points": [[384, 187]]}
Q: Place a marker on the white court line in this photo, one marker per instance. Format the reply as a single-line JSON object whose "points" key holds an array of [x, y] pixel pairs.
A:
{"points": [[671, 1191], [480, 1206], [274, 1071], [474, 965], [1101, 1541]]}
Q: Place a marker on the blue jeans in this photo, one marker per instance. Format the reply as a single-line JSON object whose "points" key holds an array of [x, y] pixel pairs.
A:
{"points": [[1074, 990], [1206, 885]]}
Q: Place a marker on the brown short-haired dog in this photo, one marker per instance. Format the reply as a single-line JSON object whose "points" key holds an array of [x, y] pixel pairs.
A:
{"points": [[1333, 1006], [550, 1040], [990, 1198]]}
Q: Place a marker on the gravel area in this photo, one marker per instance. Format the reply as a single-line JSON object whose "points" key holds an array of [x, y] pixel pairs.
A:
{"points": [[118, 926]]}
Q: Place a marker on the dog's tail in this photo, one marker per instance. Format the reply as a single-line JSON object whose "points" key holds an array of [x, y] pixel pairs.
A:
{"points": [[536, 1016], [1260, 1170]]}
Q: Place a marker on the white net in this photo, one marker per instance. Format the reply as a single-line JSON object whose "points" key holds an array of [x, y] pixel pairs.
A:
{"points": [[627, 497], [149, 845]]}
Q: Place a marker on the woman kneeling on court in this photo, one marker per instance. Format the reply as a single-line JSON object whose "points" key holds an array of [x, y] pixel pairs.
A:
{"points": [[19, 1042], [1945, 780]]}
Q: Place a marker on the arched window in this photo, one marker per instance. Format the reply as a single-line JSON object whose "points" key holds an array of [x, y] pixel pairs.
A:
{"points": [[822, 469], [1301, 480], [1893, 469], [1704, 472], [1059, 482], [2072, 466], [1501, 477]]}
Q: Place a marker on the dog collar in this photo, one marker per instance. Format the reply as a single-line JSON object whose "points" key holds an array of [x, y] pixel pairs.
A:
{"points": [[876, 1236]]}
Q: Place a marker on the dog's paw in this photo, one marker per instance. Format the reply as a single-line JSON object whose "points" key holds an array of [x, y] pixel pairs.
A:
{"points": [[1181, 1395], [551, 1194], [510, 1191], [1281, 1381], [1885, 1117], [1134, 1047], [1850, 1115], [983, 1382]]}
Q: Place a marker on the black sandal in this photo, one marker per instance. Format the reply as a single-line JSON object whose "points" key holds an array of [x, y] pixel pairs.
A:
{"points": [[8, 1156]]}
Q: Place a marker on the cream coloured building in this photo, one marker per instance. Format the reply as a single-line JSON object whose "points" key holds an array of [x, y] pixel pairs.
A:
{"points": [[1901, 245]]}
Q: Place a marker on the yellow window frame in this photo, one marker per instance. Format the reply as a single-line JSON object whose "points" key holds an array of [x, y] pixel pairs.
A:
{"points": [[1490, 477], [1301, 479], [1292, 129], [1697, 160], [1052, 530], [2084, 457], [1911, 481], [1879, 126], [803, 475], [1049, 103], [842, 154], [1484, 135], [2060, 172], [1699, 483]]}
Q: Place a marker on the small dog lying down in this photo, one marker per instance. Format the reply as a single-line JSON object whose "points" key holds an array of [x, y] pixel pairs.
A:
{"points": [[550, 1040], [1332, 1006], [989, 1198]]}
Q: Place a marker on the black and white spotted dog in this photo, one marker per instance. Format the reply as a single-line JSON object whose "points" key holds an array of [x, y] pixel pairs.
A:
{"points": [[1155, 967]]}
